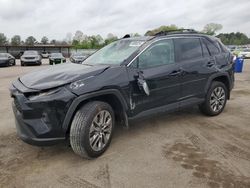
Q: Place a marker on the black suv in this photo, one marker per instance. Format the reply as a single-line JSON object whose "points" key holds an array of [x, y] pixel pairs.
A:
{"points": [[127, 79]]}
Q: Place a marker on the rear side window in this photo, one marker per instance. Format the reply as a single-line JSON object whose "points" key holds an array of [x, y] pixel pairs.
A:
{"points": [[187, 48], [212, 47], [205, 50], [223, 48]]}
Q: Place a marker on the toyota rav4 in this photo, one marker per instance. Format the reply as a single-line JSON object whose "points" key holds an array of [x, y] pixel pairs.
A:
{"points": [[127, 79]]}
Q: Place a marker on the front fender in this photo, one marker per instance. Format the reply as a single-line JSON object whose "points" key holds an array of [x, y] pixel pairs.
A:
{"points": [[82, 98]]}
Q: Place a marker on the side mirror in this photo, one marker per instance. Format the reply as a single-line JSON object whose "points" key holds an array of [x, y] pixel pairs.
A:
{"points": [[143, 86]]}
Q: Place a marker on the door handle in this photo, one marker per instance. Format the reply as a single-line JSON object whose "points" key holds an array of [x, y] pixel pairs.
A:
{"points": [[210, 63], [175, 73]]}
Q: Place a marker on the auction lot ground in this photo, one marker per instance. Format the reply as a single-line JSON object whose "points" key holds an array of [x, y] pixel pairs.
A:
{"points": [[181, 149]]}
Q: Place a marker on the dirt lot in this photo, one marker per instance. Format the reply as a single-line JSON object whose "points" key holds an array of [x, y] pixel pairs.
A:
{"points": [[182, 149]]}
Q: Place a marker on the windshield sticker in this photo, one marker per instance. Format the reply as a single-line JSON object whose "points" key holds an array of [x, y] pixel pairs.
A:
{"points": [[136, 43]]}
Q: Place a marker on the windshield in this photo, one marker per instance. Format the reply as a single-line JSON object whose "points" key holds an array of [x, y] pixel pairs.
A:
{"points": [[56, 55], [78, 55], [114, 53], [30, 53]]}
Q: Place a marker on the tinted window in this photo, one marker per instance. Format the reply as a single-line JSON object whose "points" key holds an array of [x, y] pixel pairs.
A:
{"points": [[205, 50], [160, 53], [187, 48], [213, 49], [222, 47], [30, 53]]}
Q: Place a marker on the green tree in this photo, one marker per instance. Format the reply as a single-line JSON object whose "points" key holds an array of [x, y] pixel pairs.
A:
{"points": [[135, 35], [110, 38], [44, 40], [161, 28], [234, 38], [3, 39], [30, 40], [16, 40], [212, 28]]}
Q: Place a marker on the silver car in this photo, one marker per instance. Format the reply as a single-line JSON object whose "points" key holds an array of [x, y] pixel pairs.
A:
{"points": [[31, 57]]}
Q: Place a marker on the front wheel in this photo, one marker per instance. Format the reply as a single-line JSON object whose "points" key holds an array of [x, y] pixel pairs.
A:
{"points": [[216, 99], [91, 129]]}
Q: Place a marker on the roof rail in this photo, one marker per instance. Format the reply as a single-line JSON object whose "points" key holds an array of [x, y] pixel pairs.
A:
{"points": [[176, 31]]}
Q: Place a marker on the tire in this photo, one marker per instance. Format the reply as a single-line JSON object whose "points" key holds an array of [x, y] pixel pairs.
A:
{"points": [[22, 63], [215, 100], [83, 129]]}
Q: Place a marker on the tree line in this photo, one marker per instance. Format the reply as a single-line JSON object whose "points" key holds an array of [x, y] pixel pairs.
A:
{"points": [[83, 41]]}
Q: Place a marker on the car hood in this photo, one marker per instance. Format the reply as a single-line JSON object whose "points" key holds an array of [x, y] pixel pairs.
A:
{"points": [[58, 75], [3, 58]]}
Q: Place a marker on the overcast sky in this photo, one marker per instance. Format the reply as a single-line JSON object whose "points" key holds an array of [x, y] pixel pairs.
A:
{"points": [[55, 18]]}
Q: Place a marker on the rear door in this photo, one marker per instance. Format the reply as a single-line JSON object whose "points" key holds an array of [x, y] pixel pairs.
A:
{"points": [[196, 66]]}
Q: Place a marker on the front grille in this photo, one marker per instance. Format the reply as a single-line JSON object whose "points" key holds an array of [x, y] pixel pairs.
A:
{"points": [[18, 106], [29, 57]]}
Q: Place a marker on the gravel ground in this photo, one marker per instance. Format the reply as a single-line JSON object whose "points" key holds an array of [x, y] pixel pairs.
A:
{"points": [[181, 149]]}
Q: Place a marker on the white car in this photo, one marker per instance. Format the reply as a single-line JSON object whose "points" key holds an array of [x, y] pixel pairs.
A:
{"points": [[245, 53], [45, 55]]}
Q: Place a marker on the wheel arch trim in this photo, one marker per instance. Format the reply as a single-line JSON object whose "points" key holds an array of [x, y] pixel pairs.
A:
{"points": [[219, 75], [77, 101]]}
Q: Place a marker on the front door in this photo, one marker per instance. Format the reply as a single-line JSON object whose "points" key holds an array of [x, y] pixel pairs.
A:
{"points": [[156, 65]]}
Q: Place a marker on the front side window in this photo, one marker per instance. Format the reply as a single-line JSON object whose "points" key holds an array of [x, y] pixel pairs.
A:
{"points": [[187, 48], [159, 53]]}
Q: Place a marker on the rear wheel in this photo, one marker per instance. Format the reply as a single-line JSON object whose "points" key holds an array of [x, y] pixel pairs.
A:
{"points": [[215, 100], [91, 129]]}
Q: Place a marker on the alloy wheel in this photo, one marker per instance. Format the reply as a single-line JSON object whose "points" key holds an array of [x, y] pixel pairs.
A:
{"points": [[217, 99], [100, 130]]}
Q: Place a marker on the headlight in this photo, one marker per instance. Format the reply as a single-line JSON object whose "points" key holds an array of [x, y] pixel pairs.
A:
{"points": [[77, 84], [42, 94]]}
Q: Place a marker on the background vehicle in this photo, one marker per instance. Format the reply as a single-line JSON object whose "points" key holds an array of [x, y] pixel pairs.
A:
{"points": [[56, 58], [78, 57], [245, 53], [7, 59], [31, 57], [45, 54], [128, 79]]}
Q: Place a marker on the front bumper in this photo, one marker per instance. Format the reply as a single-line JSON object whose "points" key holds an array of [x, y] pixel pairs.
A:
{"points": [[39, 122], [31, 61], [4, 62]]}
